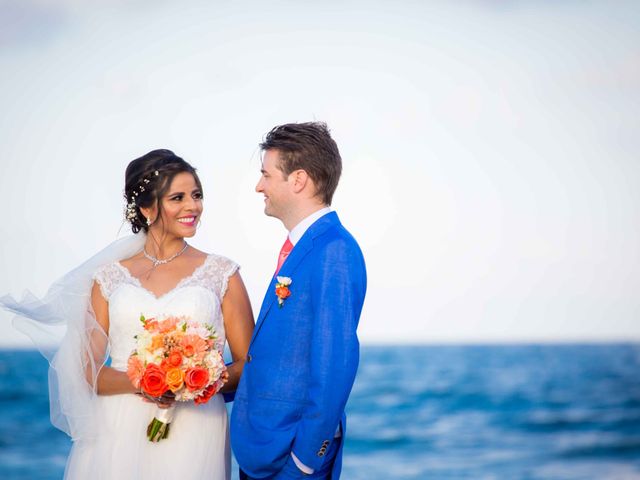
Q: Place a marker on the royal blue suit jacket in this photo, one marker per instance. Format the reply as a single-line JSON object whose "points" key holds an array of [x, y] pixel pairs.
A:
{"points": [[303, 356]]}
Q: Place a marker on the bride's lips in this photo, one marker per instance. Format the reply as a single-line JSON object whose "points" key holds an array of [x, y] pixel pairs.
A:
{"points": [[188, 221]]}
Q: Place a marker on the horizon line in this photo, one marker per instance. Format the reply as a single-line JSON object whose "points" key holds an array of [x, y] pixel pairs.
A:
{"points": [[445, 343]]}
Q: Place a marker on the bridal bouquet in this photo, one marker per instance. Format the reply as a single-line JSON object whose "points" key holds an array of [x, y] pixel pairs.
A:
{"points": [[177, 357]]}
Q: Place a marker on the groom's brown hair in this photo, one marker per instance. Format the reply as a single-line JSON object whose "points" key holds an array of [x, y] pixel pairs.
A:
{"points": [[309, 147]]}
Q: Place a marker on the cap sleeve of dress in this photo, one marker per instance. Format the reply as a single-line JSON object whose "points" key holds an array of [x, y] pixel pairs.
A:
{"points": [[219, 270], [108, 277]]}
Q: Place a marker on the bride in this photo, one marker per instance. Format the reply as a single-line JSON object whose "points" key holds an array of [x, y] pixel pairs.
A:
{"points": [[154, 273]]}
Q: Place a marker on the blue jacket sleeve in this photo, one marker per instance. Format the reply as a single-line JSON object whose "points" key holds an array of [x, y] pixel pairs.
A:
{"points": [[339, 286]]}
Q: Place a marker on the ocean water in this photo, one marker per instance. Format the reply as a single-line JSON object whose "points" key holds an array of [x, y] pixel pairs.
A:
{"points": [[427, 412]]}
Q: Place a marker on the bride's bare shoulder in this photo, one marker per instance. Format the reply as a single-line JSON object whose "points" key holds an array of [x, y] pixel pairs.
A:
{"points": [[131, 261]]}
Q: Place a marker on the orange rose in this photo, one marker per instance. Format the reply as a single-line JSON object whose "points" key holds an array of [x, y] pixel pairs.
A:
{"points": [[175, 379], [164, 365], [135, 368], [153, 381], [174, 359], [205, 396], [196, 378], [283, 292]]}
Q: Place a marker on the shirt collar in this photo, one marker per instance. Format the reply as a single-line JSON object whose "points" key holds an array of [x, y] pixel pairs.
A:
{"points": [[298, 231]]}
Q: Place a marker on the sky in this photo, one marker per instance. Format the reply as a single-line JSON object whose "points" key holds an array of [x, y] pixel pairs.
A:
{"points": [[490, 148]]}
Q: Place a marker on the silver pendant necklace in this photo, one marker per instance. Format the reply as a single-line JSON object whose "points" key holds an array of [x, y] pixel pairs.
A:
{"points": [[157, 261]]}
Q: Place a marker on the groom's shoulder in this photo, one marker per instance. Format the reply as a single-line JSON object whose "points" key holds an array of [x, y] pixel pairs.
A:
{"points": [[337, 240], [329, 227]]}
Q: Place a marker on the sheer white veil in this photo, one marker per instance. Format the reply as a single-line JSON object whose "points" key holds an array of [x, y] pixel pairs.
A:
{"points": [[64, 329]]}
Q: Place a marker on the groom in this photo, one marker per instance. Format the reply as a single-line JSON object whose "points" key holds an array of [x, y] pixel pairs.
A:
{"points": [[288, 420]]}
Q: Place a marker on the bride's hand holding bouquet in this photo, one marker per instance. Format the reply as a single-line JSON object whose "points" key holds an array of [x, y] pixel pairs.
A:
{"points": [[176, 359]]}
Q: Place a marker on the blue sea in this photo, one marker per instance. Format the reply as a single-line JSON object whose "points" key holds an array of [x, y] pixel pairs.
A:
{"points": [[424, 412]]}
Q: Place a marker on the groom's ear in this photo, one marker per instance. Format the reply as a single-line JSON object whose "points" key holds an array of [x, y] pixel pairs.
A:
{"points": [[299, 180]]}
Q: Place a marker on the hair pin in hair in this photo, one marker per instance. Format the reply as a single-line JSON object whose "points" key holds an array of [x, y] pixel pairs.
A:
{"points": [[130, 211]]}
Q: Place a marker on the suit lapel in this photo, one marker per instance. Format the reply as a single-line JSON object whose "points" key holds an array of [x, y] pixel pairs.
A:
{"points": [[288, 267], [299, 252]]}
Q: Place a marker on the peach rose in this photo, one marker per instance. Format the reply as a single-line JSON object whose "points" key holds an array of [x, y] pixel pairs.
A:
{"points": [[174, 379], [196, 378], [153, 381]]}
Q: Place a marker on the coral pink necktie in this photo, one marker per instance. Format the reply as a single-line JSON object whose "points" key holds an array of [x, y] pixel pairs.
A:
{"points": [[284, 253]]}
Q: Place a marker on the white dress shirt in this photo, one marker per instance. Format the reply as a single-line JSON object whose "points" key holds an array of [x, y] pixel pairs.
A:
{"points": [[299, 230]]}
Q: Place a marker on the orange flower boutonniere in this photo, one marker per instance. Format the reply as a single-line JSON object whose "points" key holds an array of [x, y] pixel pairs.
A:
{"points": [[282, 289]]}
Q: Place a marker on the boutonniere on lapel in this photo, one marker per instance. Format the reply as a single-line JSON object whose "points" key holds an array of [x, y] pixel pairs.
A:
{"points": [[282, 289]]}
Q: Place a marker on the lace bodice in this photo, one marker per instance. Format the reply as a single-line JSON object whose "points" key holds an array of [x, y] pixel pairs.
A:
{"points": [[198, 296]]}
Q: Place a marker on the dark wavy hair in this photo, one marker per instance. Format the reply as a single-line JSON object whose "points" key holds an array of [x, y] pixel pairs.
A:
{"points": [[308, 146], [147, 180]]}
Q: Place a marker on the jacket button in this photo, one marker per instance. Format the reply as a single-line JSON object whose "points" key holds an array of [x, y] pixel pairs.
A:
{"points": [[249, 358], [321, 453]]}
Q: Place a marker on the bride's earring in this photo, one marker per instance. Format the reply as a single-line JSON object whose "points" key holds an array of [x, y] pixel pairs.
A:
{"points": [[149, 222]]}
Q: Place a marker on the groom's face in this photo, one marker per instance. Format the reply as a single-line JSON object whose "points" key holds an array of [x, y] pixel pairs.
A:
{"points": [[274, 185]]}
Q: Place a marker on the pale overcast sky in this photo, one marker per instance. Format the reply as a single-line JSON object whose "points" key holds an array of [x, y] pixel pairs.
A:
{"points": [[490, 148]]}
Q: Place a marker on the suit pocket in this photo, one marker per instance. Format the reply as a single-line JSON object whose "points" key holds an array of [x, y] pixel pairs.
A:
{"points": [[269, 413]]}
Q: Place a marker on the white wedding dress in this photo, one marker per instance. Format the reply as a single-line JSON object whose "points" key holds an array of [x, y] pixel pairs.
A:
{"points": [[198, 443]]}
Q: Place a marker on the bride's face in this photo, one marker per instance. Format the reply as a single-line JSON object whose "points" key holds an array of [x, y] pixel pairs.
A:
{"points": [[181, 208]]}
